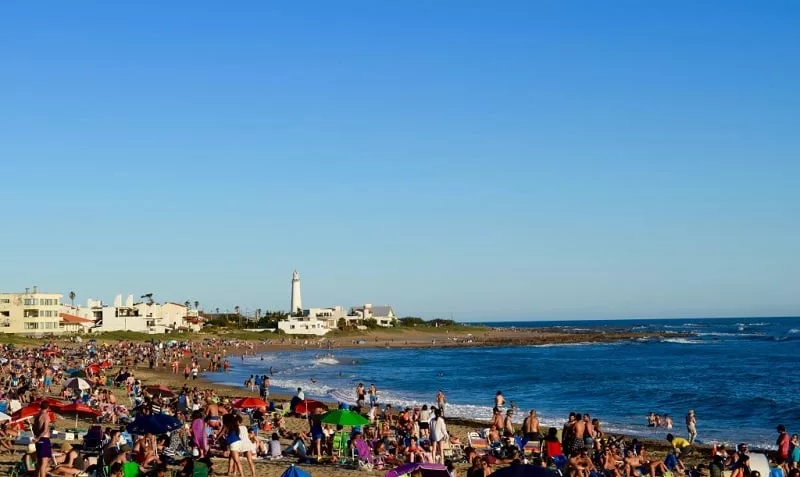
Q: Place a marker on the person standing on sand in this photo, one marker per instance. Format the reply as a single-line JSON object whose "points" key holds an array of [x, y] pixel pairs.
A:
{"points": [[438, 436], [41, 437], [530, 428], [691, 426], [440, 401]]}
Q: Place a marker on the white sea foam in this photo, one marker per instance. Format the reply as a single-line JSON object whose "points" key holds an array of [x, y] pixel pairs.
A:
{"points": [[680, 341], [560, 345], [794, 330], [327, 360]]}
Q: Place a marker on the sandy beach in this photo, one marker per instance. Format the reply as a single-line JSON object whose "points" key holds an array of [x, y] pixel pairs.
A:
{"points": [[456, 427]]}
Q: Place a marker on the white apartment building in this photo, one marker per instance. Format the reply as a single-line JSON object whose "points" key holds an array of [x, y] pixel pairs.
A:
{"points": [[143, 317], [31, 312], [303, 325]]}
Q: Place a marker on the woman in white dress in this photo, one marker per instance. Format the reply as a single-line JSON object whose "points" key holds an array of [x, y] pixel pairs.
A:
{"points": [[248, 449], [439, 435]]}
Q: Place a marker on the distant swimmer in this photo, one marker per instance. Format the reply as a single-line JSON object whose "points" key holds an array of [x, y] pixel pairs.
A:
{"points": [[313, 381], [440, 374], [262, 358], [271, 372]]}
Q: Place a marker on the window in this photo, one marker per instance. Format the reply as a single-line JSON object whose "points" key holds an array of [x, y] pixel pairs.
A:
{"points": [[29, 302], [31, 325], [5, 300]]}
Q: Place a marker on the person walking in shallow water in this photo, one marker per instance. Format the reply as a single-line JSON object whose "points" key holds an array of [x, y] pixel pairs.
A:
{"points": [[691, 426]]}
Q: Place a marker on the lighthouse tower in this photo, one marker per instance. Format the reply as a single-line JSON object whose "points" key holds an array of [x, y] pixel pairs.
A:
{"points": [[297, 302]]}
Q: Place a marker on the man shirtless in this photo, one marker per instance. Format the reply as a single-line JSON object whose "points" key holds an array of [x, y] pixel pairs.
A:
{"points": [[41, 436], [493, 435], [612, 462], [578, 432], [580, 465], [508, 426], [497, 419], [530, 429]]}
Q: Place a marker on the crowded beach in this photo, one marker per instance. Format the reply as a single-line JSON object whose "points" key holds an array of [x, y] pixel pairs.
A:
{"points": [[144, 408]]}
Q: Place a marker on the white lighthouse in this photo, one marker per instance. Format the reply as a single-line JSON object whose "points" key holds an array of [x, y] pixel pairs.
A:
{"points": [[297, 302]]}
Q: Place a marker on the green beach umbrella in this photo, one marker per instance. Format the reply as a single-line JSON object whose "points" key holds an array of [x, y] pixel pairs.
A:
{"points": [[343, 417], [77, 374]]}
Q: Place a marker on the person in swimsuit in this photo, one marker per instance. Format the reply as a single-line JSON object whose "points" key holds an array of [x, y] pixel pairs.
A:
{"points": [[691, 426], [41, 437]]}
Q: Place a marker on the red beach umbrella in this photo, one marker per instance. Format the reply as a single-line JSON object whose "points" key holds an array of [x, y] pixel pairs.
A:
{"points": [[79, 409], [28, 412], [308, 406], [160, 390], [106, 364], [249, 403], [55, 404]]}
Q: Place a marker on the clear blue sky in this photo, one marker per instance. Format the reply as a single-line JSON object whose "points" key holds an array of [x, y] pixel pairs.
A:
{"points": [[496, 160]]}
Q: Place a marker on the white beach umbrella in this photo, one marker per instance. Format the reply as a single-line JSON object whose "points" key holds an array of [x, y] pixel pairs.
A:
{"points": [[4, 417], [77, 383]]}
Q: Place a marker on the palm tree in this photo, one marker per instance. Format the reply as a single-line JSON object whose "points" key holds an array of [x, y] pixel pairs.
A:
{"points": [[236, 309], [187, 303], [217, 310], [72, 296], [196, 305]]}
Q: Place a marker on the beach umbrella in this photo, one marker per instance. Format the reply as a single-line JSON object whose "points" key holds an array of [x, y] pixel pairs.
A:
{"points": [[159, 391], [249, 403], [54, 403], [76, 373], [77, 384], [523, 471], [79, 409], [343, 417], [293, 471], [428, 469], [154, 424], [28, 412], [308, 406], [93, 368], [106, 364], [4, 417]]}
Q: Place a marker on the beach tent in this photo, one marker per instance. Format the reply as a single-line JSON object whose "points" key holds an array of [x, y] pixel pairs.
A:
{"points": [[294, 471], [428, 469], [523, 471]]}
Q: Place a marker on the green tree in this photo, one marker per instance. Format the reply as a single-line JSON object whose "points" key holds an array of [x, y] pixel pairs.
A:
{"points": [[72, 296], [196, 305], [371, 323]]}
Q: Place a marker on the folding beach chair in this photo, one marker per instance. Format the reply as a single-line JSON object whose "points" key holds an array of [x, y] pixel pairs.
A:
{"points": [[454, 452], [478, 443]]}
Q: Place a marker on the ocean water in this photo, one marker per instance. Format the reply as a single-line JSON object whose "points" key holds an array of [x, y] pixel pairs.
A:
{"points": [[741, 376]]}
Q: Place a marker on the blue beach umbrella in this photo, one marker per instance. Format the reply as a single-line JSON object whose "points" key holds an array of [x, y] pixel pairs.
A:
{"points": [[293, 471], [154, 424]]}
